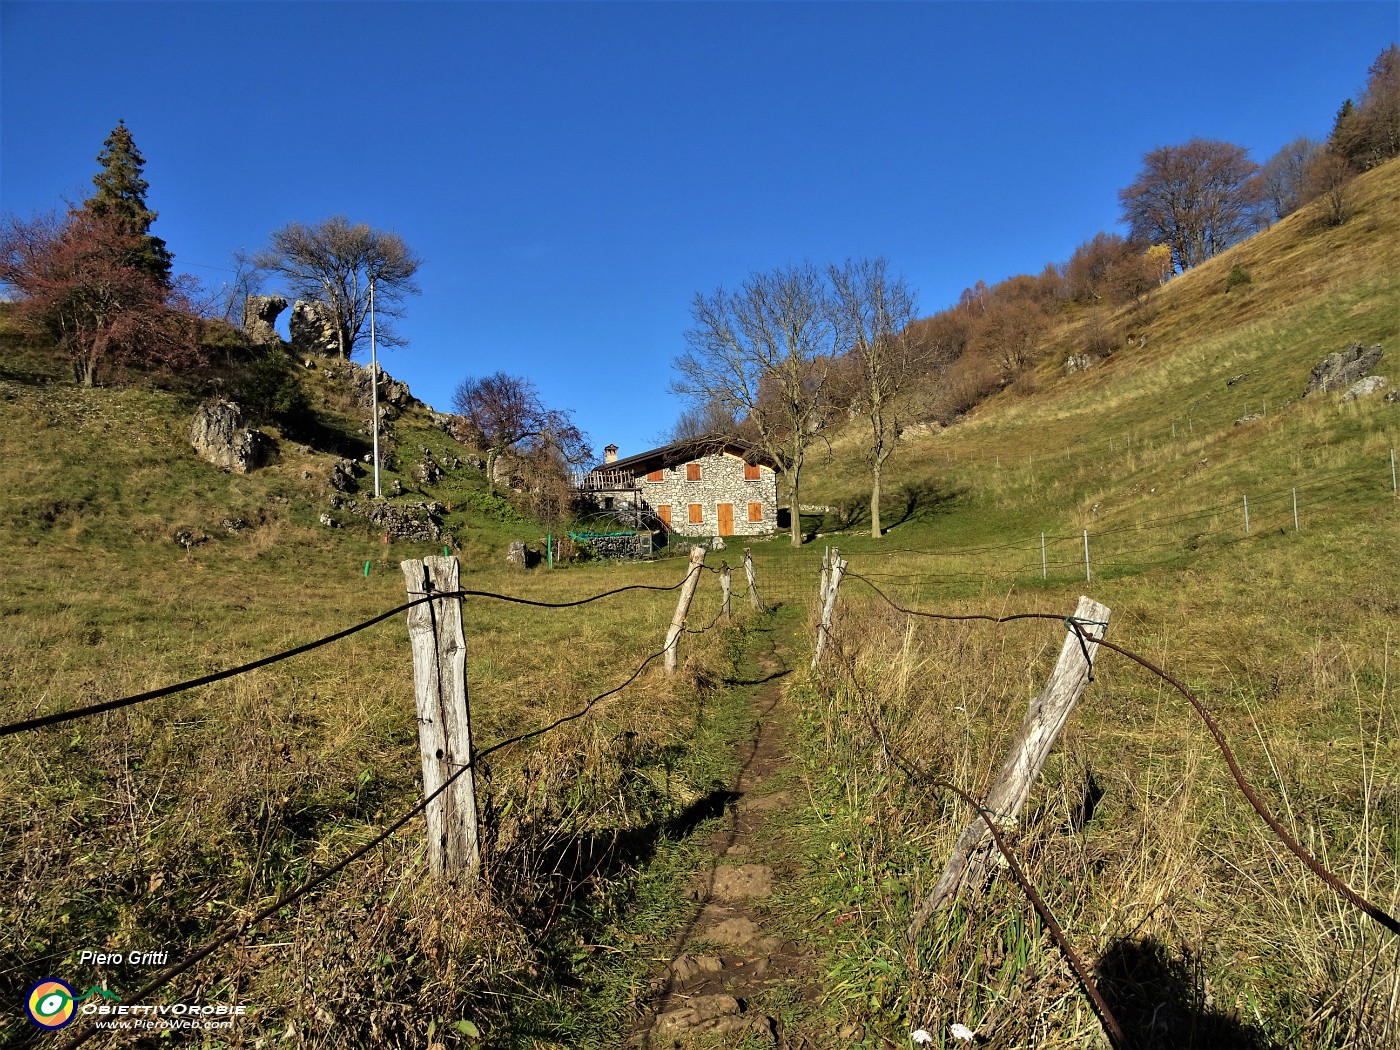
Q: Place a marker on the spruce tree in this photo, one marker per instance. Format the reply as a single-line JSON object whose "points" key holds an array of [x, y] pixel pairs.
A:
{"points": [[121, 198]]}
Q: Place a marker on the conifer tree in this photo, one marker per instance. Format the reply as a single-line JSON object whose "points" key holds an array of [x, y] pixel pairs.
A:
{"points": [[121, 201]]}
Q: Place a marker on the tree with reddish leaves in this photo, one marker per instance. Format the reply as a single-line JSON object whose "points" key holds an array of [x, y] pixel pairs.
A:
{"points": [[80, 282], [1198, 198]]}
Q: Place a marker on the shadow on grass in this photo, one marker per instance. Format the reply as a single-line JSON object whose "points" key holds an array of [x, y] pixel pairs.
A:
{"points": [[1160, 1000], [911, 502]]}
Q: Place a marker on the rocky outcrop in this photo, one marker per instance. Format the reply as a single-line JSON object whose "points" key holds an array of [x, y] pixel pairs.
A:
{"points": [[259, 317], [394, 395], [342, 477], [313, 330], [219, 436], [401, 521], [1344, 369]]}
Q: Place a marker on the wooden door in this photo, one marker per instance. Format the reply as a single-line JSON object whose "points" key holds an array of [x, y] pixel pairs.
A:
{"points": [[726, 519], [664, 513]]}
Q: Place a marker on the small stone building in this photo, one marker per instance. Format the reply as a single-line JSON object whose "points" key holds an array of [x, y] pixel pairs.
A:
{"points": [[705, 487]]}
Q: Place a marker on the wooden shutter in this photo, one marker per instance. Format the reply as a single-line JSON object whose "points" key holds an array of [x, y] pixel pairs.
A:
{"points": [[655, 475], [697, 514], [692, 472], [752, 473], [755, 512], [664, 513]]}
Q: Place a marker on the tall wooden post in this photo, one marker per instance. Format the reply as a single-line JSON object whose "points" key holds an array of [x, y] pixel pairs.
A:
{"points": [[1029, 749], [833, 567], [692, 580], [754, 599], [444, 719], [726, 584]]}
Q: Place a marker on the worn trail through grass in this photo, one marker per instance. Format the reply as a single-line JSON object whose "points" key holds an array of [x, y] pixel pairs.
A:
{"points": [[737, 973]]}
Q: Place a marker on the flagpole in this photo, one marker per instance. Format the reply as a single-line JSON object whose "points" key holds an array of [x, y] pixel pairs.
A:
{"points": [[374, 387]]}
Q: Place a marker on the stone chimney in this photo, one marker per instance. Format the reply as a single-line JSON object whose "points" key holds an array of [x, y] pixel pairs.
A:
{"points": [[610, 454]]}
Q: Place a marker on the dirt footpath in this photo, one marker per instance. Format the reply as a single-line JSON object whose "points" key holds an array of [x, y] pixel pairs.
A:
{"points": [[732, 975]]}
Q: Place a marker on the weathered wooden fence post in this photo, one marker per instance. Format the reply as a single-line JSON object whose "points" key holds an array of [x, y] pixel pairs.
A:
{"points": [[1029, 749], [444, 720], [692, 580], [833, 567], [754, 599], [726, 583]]}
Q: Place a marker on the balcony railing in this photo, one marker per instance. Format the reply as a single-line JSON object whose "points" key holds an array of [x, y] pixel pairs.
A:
{"points": [[607, 481]]}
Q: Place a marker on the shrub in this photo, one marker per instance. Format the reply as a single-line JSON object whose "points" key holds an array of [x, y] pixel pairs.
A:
{"points": [[1238, 276]]}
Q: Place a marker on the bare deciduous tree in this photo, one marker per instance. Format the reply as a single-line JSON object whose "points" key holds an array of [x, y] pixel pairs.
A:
{"points": [[764, 354], [873, 312], [505, 412], [1283, 180], [1198, 198], [336, 262]]}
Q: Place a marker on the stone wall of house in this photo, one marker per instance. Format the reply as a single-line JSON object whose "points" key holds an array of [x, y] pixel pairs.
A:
{"points": [[721, 481]]}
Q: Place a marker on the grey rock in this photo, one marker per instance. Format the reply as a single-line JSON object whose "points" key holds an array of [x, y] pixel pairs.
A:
{"points": [[396, 489], [219, 436], [1246, 419], [1392, 398], [1079, 363], [313, 330], [428, 472], [1365, 388], [401, 521], [517, 555], [1341, 370], [342, 476], [329, 522], [259, 317], [189, 538]]}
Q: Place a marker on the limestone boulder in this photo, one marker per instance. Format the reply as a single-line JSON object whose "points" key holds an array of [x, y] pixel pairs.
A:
{"points": [[1365, 388], [1343, 369], [313, 330], [259, 317], [219, 437]]}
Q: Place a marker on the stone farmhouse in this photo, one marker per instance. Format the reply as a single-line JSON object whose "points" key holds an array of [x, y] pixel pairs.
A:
{"points": [[705, 487]]}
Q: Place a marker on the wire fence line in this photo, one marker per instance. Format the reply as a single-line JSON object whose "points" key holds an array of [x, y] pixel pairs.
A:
{"points": [[1074, 626], [1080, 553], [237, 929]]}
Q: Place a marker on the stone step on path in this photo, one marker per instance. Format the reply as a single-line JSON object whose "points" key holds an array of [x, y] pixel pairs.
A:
{"points": [[731, 969]]}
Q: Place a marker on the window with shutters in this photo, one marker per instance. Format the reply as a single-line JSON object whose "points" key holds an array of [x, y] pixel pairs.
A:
{"points": [[752, 473], [697, 513], [692, 472], [755, 512], [655, 475]]}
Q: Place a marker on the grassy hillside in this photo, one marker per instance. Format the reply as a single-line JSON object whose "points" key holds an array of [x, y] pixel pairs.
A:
{"points": [[1205, 931], [155, 826]]}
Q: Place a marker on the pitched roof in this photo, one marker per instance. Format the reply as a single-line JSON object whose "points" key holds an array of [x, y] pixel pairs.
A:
{"points": [[684, 451]]}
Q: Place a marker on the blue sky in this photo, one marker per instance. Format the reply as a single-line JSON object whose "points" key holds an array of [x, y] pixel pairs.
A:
{"points": [[572, 174]]}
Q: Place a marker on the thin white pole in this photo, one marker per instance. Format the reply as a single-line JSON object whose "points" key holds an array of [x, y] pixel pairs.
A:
{"points": [[1043, 574], [1087, 577], [1246, 515], [1392, 472], [374, 388], [1295, 510]]}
